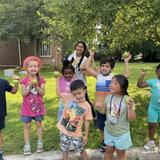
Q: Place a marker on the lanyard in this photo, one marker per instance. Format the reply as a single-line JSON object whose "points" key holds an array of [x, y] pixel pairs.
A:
{"points": [[120, 104]]}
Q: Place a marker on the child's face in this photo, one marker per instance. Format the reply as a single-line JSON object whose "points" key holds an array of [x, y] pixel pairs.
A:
{"points": [[79, 94], [79, 49], [115, 86], [105, 68], [33, 67], [68, 74]]}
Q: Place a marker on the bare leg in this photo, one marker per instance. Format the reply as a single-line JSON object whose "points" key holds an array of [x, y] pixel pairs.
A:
{"points": [[84, 155], [26, 132], [39, 130], [102, 135], [1, 139], [109, 152], [151, 130], [121, 154], [66, 155]]}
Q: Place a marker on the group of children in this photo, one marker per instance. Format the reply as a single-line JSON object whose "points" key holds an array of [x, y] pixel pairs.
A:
{"points": [[113, 110]]}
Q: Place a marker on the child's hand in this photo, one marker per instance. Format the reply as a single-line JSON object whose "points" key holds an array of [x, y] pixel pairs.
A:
{"points": [[98, 105], [130, 103], [143, 71], [92, 52], [85, 140], [16, 79], [127, 59]]}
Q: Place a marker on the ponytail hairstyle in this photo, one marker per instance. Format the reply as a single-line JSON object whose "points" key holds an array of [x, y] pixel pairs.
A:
{"points": [[83, 54], [67, 65], [123, 82]]}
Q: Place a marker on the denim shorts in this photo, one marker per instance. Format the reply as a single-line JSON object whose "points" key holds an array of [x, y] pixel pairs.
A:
{"points": [[153, 115], [66, 141], [2, 123], [26, 119], [100, 121], [121, 142]]}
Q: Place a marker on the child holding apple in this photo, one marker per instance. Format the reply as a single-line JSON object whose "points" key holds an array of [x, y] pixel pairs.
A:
{"points": [[33, 89], [5, 87], [119, 110], [63, 86], [103, 78], [154, 105]]}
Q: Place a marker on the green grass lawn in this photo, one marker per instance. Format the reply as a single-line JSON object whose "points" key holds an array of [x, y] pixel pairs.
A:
{"points": [[13, 133]]}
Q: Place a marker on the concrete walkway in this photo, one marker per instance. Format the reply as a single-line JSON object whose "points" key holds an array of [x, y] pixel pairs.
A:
{"points": [[133, 154]]}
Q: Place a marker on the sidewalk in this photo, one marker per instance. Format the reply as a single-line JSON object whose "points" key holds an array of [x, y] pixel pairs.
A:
{"points": [[135, 153]]}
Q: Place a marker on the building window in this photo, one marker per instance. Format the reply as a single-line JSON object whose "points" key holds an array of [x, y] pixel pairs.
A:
{"points": [[45, 50]]}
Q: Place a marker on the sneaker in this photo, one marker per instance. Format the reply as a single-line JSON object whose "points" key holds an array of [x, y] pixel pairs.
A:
{"points": [[27, 149], [102, 147], [1, 156], [39, 147], [150, 146]]}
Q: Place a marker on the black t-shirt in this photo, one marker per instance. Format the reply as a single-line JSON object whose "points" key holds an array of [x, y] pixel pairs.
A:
{"points": [[4, 86]]}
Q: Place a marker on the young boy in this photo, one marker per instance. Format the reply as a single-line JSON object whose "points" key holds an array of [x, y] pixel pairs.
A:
{"points": [[76, 113], [103, 79], [4, 86], [154, 105]]}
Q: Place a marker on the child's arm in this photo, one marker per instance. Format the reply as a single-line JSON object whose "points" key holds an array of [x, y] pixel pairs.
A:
{"points": [[88, 63], [141, 83], [26, 90], [86, 125], [57, 87], [126, 66], [131, 110], [15, 87]]}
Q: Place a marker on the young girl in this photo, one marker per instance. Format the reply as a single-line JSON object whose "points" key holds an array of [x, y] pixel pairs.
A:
{"points": [[120, 109], [33, 89], [103, 78], [63, 86], [154, 105], [78, 60]]}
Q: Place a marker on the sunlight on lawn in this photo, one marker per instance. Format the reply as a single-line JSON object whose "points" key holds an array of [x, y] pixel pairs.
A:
{"points": [[13, 134]]}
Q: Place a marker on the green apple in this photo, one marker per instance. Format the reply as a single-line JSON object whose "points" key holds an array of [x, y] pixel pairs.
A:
{"points": [[34, 81], [125, 54], [59, 50], [93, 48], [128, 99], [56, 74], [15, 81]]}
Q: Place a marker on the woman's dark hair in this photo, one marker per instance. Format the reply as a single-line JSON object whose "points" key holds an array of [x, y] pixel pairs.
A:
{"points": [[108, 59], [77, 84], [85, 48], [123, 82], [67, 65], [157, 68]]}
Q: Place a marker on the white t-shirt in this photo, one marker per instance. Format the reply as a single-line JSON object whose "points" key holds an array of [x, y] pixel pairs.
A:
{"points": [[78, 73]]}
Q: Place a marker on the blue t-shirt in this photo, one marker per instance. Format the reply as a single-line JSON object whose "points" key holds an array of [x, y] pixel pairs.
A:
{"points": [[4, 86], [155, 93]]}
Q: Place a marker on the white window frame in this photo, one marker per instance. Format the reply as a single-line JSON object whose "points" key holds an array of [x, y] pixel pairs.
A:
{"points": [[47, 48]]}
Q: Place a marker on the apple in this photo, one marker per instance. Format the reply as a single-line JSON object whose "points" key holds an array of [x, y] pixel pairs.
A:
{"points": [[56, 74], [34, 81], [15, 81], [125, 54], [59, 50], [128, 100], [93, 48]]}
